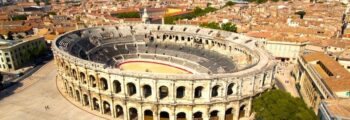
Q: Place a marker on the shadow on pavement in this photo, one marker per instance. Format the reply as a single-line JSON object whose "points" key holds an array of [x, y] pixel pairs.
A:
{"points": [[279, 85], [9, 89]]}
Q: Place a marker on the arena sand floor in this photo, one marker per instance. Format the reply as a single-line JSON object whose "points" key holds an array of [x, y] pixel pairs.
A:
{"points": [[154, 67]]}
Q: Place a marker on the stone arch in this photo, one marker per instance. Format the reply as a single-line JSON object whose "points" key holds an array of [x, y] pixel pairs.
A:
{"points": [[119, 111], [92, 81], [164, 37], [148, 115], [180, 92], [103, 84], [198, 115], [95, 104], [242, 111], [215, 91], [198, 92], [229, 114], [74, 74], [66, 68], [71, 91], [82, 77], [164, 115], [264, 79], [181, 116], [131, 89], [163, 92], [133, 114], [77, 94], [230, 89], [147, 91], [117, 86], [106, 108], [86, 100], [214, 115]]}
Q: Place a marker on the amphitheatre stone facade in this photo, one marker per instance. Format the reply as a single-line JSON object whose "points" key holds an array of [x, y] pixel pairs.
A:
{"points": [[225, 71]]}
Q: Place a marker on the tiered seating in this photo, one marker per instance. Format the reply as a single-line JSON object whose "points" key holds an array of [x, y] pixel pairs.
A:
{"points": [[112, 45]]}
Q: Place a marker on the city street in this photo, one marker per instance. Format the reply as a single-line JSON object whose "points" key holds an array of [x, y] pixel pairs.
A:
{"points": [[285, 80], [37, 97]]}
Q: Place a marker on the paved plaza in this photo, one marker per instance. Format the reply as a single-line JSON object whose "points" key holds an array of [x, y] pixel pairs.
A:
{"points": [[27, 100]]}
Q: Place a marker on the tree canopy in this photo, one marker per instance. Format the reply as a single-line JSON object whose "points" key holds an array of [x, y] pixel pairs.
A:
{"points": [[225, 26], [229, 3], [280, 105], [301, 14], [212, 25], [196, 13], [127, 15], [19, 17], [229, 27], [263, 1]]}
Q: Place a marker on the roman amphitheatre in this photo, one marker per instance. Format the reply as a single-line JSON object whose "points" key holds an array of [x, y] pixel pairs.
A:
{"points": [[162, 72]]}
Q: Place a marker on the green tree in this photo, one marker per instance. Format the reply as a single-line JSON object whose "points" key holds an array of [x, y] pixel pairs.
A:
{"points": [[229, 27], [10, 35], [127, 15], [229, 3], [212, 25], [260, 1], [301, 14], [280, 105], [37, 2], [226, 26], [42, 48], [19, 17], [52, 13], [196, 13], [25, 54], [47, 2]]}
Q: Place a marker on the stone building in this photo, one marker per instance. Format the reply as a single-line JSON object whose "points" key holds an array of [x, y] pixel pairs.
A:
{"points": [[225, 72], [320, 77], [12, 52]]}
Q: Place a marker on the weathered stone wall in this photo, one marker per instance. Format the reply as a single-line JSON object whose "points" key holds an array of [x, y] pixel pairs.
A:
{"points": [[216, 96]]}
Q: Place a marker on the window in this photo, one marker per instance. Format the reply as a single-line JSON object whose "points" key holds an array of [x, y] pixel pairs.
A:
{"points": [[147, 91], [163, 92], [131, 89], [180, 92], [229, 89], [198, 92], [117, 86], [10, 66], [214, 92], [104, 84]]}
